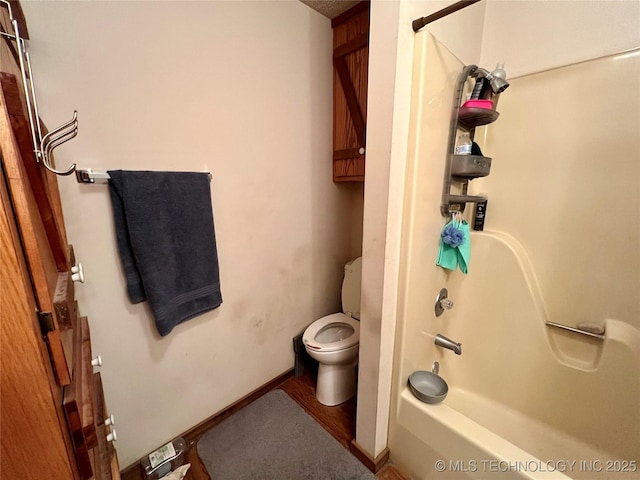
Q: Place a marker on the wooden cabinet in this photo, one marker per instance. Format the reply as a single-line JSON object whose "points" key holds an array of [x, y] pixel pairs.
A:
{"points": [[33, 443], [52, 409], [350, 76]]}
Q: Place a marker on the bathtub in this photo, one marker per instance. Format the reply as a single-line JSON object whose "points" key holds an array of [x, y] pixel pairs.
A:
{"points": [[526, 401]]}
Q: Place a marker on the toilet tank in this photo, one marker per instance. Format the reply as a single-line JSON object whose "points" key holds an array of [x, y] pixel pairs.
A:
{"points": [[351, 288]]}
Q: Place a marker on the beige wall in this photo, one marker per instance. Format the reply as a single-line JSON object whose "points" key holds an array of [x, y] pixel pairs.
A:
{"points": [[240, 89], [231, 68], [390, 70], [530, 36], [419, 280]]}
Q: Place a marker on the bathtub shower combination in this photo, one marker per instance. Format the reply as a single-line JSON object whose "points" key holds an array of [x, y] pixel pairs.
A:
{"points": [[525, 399]]}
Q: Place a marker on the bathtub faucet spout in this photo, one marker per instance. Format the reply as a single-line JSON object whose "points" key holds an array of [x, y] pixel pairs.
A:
{"points": [[445, 342]]}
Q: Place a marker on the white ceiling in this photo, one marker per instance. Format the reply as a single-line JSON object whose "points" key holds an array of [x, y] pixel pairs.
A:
{"points": [[330, 8]]}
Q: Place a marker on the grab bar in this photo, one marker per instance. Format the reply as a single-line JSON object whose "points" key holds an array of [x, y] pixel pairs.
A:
{"points": [[582, 330]]}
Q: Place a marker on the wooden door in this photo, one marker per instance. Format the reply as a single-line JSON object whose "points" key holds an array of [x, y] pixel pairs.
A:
{"points": [[350, 77], [47, 261], [33, 444], [53, 424]]}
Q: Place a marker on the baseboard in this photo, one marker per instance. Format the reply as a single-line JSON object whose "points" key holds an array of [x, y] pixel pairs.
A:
{"points": [[193, 434], [373, 464], [197, 431]]}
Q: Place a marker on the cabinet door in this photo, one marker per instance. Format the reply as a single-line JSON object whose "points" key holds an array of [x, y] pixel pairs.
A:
{"points": [[105, 456], [33, 445], [350, 76], [46, 259]]}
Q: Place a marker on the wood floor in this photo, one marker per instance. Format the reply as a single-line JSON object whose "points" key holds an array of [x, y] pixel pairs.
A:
{"points": [[339, 421]]}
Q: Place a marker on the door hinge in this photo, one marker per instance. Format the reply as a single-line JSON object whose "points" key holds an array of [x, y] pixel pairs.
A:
{"points": [[46, 322]]}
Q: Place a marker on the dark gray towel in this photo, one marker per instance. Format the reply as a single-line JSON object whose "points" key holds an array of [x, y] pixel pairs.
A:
{"points": [[166, 241]]}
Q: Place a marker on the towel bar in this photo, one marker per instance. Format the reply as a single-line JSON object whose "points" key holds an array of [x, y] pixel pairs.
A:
{"points": [[89, 176]]}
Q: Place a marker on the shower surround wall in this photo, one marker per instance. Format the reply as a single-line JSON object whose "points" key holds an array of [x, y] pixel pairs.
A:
{"points": [[551, 192], [240, 89], [528, 36], [565, 184]]}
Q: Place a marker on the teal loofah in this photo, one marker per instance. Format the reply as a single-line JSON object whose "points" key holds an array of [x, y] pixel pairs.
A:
{"points": [[452, 235]]}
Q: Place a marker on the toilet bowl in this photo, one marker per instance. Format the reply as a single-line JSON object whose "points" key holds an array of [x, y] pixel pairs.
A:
{"points": [[333, 341]]}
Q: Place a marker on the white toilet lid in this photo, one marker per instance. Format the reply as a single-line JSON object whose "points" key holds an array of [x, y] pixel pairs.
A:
{"points": [[333, 332]]}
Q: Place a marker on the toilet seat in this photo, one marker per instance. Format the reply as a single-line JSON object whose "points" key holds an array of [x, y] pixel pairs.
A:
{"points": [[310, 334]]}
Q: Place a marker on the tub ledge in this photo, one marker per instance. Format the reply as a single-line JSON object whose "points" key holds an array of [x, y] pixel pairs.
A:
{"points": [[459, 439]]}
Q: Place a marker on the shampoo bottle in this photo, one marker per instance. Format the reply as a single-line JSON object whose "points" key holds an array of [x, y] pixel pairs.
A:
{"points": [[479, 216], [479, 89], [463, 143]]}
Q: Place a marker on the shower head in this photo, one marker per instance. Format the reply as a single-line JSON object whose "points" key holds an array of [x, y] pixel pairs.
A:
{"points": [[497, 84]]}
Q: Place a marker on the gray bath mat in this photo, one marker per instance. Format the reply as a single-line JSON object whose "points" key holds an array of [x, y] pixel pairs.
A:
{"points": [[274, 439]]}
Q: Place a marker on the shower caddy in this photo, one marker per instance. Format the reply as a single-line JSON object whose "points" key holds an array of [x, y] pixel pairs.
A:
{"points": [[463, 168]]}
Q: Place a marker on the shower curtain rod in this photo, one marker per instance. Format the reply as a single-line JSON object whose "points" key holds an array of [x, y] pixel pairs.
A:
{"points": [[418, 23]]}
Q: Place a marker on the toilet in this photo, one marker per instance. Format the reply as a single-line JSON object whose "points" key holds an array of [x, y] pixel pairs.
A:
{"points": [[333, 341]]}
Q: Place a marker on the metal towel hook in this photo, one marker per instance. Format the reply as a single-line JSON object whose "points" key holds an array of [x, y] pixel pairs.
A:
{"points": [[59, 140], [43, 145], [55, 131], [51, 141]]}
